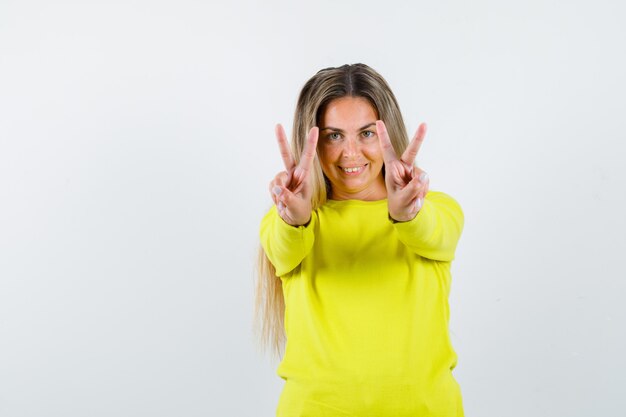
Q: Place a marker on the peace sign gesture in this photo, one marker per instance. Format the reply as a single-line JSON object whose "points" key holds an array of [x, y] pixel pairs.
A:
{"points": [[291, 189], [406, 184]]}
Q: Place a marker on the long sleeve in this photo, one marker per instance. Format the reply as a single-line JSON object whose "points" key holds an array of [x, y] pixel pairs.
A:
{"points": [[435, 230], [286, 245], [348, 306]]}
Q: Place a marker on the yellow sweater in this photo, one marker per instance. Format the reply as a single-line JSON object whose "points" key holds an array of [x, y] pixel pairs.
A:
{"points": [[367, 310]]}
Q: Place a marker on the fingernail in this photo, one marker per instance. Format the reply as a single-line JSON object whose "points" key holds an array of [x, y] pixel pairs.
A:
{"points": [[419, 203], [280, 206], [276, 190], [423, 177]]}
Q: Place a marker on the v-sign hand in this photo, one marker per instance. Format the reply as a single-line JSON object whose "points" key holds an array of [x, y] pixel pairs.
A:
{"points": [[291, 189], [406, 184]]}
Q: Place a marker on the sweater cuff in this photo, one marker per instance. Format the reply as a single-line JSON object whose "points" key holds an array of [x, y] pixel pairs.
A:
{"points": [[287, 229], [422, 225], [288, 245]]}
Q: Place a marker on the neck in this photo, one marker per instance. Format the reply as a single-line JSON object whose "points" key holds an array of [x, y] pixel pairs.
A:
{"points": [[376, 191]]}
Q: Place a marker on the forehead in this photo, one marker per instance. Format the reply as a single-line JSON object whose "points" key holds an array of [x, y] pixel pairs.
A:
{"points": [[348, 112]]}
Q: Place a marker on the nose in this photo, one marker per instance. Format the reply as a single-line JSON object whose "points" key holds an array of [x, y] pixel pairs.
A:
{"points": [[351, 148]]}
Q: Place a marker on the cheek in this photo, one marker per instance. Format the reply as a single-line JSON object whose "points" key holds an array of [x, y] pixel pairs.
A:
{"points": [[323, 158], [327, 155], [374, 153]]}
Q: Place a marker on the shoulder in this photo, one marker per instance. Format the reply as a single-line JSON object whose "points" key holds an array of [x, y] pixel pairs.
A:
{"points": [[445, 203], [441, 197]]}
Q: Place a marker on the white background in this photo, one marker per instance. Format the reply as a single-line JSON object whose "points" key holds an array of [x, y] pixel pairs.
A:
{"points": [[136, 145]]}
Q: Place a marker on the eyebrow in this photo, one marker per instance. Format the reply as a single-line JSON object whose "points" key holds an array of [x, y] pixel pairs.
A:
{"points": [[340, 130]]}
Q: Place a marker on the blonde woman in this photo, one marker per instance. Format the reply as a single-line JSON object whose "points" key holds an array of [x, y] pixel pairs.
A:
{"points": [[354, 270]]}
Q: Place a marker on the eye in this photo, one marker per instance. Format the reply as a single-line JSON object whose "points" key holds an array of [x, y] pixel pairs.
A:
{"points": [[334, 136], [367, 134]]}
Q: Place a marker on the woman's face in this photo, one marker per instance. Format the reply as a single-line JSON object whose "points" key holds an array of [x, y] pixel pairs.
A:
{"points": [[349, 151]]}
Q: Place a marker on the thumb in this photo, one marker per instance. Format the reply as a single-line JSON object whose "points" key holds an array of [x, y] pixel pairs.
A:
{"points": [[285, 197]]}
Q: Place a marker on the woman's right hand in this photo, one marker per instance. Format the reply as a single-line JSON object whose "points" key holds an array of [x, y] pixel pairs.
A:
{"points": [[291, 189]]}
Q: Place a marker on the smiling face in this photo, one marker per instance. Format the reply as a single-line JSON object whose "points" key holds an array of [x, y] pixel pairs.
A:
{"points": [[349, 151]]}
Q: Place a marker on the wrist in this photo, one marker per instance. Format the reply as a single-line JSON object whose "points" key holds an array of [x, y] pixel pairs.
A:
{"points": [[401, 219], [406, 215], [295, 222]]}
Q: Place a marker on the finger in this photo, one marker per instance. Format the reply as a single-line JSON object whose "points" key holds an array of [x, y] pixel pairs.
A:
{"points": [[424, 181], [419, 203], [286, 197], [308, 154], [421, 199], [425, 188], [278, 184], [284, 201], [281, 179], [273, 188], [389, 155], [410, 152], [417, 187], [419, 173], [283, 145], [412, 189], [420, 182]]}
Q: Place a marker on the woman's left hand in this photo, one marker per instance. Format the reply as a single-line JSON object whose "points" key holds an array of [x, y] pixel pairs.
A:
{"points": [[406, 184]]}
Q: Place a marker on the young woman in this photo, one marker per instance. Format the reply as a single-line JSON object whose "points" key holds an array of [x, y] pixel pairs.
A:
{"points": [[354, 270]]}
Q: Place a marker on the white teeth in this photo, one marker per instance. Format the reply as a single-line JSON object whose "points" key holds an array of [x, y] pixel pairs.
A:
{"points": [[355, 169]]}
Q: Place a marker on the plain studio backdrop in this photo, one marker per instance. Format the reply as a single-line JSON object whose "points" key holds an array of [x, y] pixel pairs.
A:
{"points": [[137, 143]]}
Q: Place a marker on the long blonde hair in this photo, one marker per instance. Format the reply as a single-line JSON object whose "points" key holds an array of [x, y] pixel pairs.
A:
{"points": [[357, 80]]}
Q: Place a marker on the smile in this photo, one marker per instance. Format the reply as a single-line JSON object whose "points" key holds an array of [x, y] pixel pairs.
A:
{"points": [[353, 170]]}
